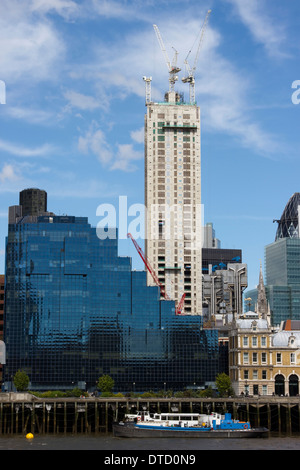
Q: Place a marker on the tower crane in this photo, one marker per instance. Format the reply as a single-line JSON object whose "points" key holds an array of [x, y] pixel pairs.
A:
{"points": [[180, 305], [149, 267], [154, 276], [172, 67], [190, 78]]}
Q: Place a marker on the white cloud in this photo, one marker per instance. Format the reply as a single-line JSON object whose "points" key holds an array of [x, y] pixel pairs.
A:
{"points": [[95, 141], [31, 48], [125, 156], [138, 135], [66, 8], [223, 92], [22, 151], [31, 115], [83, 102], [116, 9], [253, 15], [8, 173]]}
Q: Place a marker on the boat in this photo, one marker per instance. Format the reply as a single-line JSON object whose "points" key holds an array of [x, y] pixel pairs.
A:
{"points": [[144, 424]]}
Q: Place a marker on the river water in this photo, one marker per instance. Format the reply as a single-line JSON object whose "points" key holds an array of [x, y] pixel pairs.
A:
{"points": [[122, 446]]}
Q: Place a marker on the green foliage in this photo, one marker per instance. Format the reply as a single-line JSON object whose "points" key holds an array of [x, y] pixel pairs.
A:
{"points": [[21, 381], [223, 384], [149, 394], [76, 392], [206, 393], [105, 384]]}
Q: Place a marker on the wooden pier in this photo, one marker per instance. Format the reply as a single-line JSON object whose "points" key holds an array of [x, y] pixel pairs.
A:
{"points": [[21, 413]]}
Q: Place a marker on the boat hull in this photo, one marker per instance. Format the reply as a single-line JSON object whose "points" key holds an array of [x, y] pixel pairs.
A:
{"points": [[131, 430]]}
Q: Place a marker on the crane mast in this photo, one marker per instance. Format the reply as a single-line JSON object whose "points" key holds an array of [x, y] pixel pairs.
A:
{"points": [[190, 78], [172, 67]]}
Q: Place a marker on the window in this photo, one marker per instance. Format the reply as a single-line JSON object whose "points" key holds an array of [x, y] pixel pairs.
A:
{"points": [[254, 341], [264, 374], [246, 374], [264, 358], [246, 358], [263, 341], [254, 358], [245, 341], [293, 358], [278, 358], [255, 374], [264, 390]]}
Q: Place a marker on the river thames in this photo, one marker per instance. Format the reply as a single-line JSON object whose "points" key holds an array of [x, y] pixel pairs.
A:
{"points": [[108, 444]]}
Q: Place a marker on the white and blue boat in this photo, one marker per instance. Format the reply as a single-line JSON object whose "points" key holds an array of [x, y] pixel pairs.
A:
{"points": [[144, 424]]}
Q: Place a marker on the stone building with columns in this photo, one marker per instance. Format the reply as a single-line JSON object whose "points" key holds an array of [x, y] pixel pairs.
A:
{"points": [[264, 360]]}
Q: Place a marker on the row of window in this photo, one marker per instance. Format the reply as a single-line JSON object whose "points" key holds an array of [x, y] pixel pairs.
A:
{"points": [[263, 357], [254, 341]]}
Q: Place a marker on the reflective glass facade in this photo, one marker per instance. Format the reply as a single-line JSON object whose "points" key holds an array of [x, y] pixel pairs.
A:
{"points": [[282, 261], [75, 310], [288, 223]]}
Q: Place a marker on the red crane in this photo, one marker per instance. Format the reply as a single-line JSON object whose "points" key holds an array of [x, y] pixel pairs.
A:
{"points": [[149, 267], [180, 305], [154, 276]]}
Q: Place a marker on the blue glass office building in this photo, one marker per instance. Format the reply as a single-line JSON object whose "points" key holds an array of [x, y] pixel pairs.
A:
{"points": [[282, 263], [75, 310]]}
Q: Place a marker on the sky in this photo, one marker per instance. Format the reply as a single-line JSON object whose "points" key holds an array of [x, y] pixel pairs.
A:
{"points": [[73, 103]]}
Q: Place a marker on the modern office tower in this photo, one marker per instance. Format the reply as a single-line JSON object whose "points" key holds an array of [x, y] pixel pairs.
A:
{"points": [[75, 310], [282, 267], [173, 198]]}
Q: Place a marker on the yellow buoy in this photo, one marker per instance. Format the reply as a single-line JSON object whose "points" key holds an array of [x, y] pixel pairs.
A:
{"points": [[29, 436]]}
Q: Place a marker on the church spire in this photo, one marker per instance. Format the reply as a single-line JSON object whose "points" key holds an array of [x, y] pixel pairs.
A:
{"points": [[262, 303]]}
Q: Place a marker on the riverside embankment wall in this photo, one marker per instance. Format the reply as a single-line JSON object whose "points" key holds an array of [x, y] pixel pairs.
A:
{"points": [[21, 413]]}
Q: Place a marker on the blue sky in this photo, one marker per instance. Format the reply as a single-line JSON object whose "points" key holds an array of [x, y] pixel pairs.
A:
{"points": [[73, 119]]}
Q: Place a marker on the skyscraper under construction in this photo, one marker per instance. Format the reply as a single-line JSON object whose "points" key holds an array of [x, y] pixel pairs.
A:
{"points": [[173, 198], [173, 189]]}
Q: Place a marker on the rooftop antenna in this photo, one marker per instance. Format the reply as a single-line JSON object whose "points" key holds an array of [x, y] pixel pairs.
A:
{"points": [[172, 67], [190, 78]]}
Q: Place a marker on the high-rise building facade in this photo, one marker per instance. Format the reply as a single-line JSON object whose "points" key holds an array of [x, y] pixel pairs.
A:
{"points": [[282, 267], [75, 310], [173, 198]]}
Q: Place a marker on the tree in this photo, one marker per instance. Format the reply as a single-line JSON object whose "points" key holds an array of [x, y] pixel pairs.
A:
{"points": [[223, 384], [106, 383], [21, 381]]}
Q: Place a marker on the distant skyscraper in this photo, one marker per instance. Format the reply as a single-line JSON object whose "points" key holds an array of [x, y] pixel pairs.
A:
{"points": [[173, 198], [209, 237], [288, 225]]}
